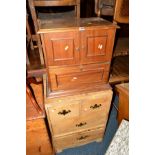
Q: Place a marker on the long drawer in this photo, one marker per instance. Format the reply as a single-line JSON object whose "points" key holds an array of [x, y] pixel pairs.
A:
{"points": [[77, 139], [78, 124], [62, 78]]}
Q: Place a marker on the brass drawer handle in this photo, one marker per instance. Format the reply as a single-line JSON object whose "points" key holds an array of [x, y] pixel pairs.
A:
{"points": [[66, 47], [81, 124], [64, 112], [95, 106], [100, 46], [82, 137]]}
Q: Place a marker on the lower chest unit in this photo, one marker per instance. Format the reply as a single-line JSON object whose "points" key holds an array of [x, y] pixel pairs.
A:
{"points": [[79, 119]]}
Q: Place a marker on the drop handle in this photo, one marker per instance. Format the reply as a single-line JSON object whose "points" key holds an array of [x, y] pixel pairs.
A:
{"points": [[95, 106], [82, 137], [81, 124], [64, 112], [100, 46]]}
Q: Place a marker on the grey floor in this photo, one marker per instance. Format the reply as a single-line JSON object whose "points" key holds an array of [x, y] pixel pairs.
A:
{"points": [[98, 148]]}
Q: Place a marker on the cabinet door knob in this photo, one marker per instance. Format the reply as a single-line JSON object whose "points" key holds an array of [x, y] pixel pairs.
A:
{"points": [[81, 124], [74, 78], [64, 112], [95, 106], [66, 47], [100, 46]]}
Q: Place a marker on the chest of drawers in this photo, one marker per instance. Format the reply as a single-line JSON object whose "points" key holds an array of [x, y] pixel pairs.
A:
{"points": [[77, 119], [77, 97], [77, 51]]}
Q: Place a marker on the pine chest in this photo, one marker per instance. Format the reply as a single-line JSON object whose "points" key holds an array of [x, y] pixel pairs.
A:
{"points": [[78, 119]]}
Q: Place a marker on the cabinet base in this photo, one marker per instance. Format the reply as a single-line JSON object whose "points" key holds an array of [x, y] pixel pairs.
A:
{"points": [[78, 90]]}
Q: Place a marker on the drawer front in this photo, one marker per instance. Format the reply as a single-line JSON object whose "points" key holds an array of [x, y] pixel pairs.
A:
{"points": [[63, 111], [79, 123], [97, 45], [78, 139], [64, 127], [81, 77], [99, 102], [70, 77], [92, 120]]}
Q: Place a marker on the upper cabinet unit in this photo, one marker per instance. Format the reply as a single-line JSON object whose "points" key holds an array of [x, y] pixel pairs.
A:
{"points": [[77, 52], [80, 41]]}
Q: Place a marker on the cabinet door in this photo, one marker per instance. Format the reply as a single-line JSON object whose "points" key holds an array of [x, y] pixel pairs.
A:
{"points": [[96, 45], [62, 48]]}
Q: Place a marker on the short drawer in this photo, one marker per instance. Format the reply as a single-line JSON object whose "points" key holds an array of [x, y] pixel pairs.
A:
{"points": [[99, 102], [61, 112], [78, 139], [71, 77]]}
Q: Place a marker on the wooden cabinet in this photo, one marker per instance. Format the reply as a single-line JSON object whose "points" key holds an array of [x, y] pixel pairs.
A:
{"points": [[77, 97], [123, 107], [37, 138], [77, 52]]}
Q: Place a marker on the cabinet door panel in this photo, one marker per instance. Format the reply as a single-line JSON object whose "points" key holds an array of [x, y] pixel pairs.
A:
{"points": [[62, 48], [96, 45]]}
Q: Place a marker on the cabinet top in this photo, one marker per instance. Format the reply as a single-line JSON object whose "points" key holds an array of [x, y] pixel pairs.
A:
{"points": [[80, 24]]}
